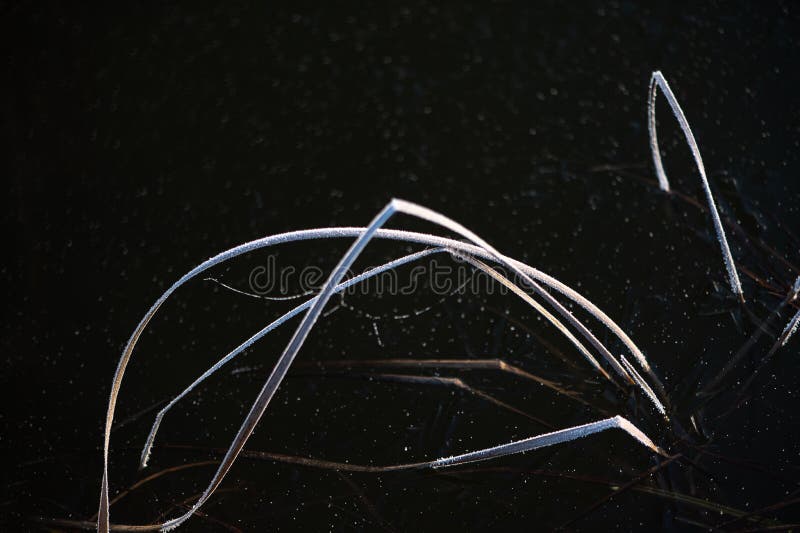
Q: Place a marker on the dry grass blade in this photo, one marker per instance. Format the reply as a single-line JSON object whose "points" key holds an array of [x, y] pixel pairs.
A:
{"points": [[657, 81]]}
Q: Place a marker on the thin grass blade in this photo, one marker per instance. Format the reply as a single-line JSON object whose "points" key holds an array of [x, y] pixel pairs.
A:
{"points": [[658, 81], [550, 439]]}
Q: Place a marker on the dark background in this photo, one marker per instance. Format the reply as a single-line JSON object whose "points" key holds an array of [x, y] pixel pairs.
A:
{"points": [[139, 140]]}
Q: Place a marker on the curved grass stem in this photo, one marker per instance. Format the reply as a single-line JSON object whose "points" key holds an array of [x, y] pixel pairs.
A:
{"points": [[657, 81]]}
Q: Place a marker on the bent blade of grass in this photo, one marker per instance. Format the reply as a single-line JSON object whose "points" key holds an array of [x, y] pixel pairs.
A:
{"points": [[437, 218], [658, 81], [324, 233], [549, 439]]}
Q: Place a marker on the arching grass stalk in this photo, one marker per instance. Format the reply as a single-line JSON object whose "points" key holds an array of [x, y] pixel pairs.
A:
{"points": [[641, 382], [549, 439], [147, 449], [363, 236], [337, 232], [492, 363], [658, 81], [791, 326]]}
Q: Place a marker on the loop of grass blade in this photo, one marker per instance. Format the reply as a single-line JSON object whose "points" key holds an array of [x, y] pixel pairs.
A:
{"points": [[658, 81], [619, 490], [151, 437], [431, 240], [758, 512]]}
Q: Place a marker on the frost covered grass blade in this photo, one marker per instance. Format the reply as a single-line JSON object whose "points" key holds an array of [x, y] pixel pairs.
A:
{"points": [[657, 81]]}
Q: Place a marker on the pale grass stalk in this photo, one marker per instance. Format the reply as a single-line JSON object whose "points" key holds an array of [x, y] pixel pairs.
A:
{"points": [[658, 81]]}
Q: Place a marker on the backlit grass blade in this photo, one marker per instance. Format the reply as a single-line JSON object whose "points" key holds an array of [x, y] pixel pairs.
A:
{"points": [[657, 81]]}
